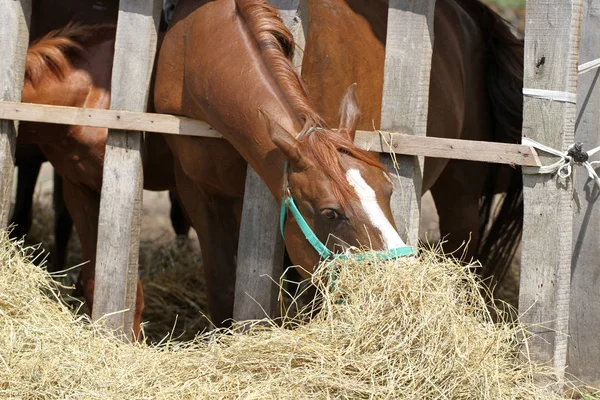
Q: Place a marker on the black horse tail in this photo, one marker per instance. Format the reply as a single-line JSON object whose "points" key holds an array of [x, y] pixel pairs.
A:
{"points": [[503, 222]]}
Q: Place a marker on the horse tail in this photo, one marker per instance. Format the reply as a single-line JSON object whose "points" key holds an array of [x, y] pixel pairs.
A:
{"points": [[54, 54], [502, 225]]}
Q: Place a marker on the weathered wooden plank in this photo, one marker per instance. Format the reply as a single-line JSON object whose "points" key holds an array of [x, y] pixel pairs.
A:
{"points": [[459, 149], [260, 253], [121, 201], [384, 142], [113, 119], [584, 311], [409, 47], [261, 247], [300, 30], [551, 57], [14, 38], [291, 14]]}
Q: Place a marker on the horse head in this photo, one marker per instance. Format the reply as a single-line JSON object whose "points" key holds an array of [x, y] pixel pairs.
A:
{"points": [[334, 190]]}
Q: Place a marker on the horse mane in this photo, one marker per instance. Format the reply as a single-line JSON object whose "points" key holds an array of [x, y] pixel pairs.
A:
{"points": [[277, 45], [54, 54], [324, 146]]}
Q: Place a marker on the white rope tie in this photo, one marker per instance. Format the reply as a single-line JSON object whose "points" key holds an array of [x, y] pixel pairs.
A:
{"points": [[564, 167], [588, 66], [554, 95]]}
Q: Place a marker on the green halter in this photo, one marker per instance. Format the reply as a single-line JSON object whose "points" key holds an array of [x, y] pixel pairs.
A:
{"points": [[287, 202]]}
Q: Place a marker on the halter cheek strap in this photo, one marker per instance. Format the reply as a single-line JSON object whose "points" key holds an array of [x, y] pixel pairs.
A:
{"points": [[287, 202]]}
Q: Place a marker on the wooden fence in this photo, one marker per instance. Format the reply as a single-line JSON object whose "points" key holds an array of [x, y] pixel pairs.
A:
{"points": [[559, 278]]}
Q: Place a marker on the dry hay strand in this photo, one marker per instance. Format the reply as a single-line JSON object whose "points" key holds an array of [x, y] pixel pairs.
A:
{"points": [[174, 289], [170, 271], [409, 328]]}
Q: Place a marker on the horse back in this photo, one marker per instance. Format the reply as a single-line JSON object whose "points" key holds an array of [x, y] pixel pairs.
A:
{"points": [[48, 15]]}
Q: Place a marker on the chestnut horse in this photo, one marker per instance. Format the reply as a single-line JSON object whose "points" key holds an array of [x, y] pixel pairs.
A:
{"points": [[72, 67], [46, 16], [227, 62], [49, 15], [475, 93]]}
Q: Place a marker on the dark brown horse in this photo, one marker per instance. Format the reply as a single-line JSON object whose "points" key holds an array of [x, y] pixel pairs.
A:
{"points": [[72, 67], [475, 93], [228, 63]]}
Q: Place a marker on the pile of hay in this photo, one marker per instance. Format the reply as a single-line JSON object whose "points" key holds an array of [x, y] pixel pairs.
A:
{"points": [[401, 329], [170, 269], [174, 289]]}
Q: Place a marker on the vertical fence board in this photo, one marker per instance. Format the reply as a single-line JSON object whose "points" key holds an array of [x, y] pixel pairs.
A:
{"points": [[408, 53], [551, 56], [584, 316], [291, 12], [261, 247], [121, 201], [260, 253], [14, 39]]}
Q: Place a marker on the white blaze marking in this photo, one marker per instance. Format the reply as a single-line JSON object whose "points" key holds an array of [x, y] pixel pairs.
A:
{"points": [[368, 200]]}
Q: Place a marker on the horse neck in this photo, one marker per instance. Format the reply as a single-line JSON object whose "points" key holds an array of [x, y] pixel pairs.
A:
{"points": [[227, 81]]}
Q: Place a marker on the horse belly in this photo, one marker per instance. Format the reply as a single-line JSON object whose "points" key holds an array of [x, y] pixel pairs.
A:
{"points": [[213, 164]]}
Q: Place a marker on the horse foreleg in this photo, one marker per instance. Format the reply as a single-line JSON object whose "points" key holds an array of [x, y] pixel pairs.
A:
{"points": [[83, 205], [216, 221], [63, 226], [456, 194], [28, 171], [179, 218]]}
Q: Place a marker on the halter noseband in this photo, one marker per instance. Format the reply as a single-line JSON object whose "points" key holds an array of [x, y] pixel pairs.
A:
{"points": [[287, 202]]}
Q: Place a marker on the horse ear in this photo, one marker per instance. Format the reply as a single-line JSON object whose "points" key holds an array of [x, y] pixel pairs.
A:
{"points": [[286, 142], [349, 112]]}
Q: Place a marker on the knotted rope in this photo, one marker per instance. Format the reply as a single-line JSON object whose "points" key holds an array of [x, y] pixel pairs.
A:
{"points": [[575, 155]]}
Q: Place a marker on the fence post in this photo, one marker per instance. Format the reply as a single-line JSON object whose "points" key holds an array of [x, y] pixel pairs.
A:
{"points": [[121, 199], [550, 64], [404, 108], [584, 316], [295, 16], [261, 247], [14, 40]]}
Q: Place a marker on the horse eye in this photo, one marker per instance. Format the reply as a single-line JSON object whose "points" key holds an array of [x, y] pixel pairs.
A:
{"points": [[330, 214]]}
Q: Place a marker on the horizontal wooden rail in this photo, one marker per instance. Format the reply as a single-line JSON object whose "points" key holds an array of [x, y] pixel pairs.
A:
{"points": [[457, 149], [501, 153], [112, 119]]}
